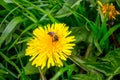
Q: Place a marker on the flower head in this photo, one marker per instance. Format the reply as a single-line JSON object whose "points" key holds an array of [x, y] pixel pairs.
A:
{"points": [[110, 9], [50, 45]]}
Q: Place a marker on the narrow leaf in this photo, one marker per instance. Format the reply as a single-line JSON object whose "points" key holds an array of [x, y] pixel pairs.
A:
{"points": [[29, 69], [10, 62], [108, 34], [9, 28]]}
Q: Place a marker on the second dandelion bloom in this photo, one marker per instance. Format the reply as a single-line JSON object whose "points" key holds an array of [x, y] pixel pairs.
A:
{"points": [[51, 44], [110, 9]]}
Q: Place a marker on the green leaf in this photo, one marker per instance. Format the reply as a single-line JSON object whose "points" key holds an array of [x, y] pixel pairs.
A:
{"points": [[109, 65], [26, 29], [2, 78], [92, 3], [37, 8], [81, 63], [8, 71], [29, 69], [8, 39], [113, 57], [106, 1], [61, 71], [6, 5], [10, 62], [108, 34], [101, 67], [97, 46], [118, 2], [3, 71], [65, 11], [70, 71], [8, 1], [2, 74], [81, 34], [93, 76], [10, 28], [103, 30], [93, 27]]}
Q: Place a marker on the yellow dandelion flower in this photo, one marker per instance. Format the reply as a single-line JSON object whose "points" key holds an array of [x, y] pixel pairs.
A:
{"points": [[110, 9], [50, 45]]}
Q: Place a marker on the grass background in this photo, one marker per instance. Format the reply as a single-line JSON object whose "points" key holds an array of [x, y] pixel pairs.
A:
{"points": [[95, 56]]}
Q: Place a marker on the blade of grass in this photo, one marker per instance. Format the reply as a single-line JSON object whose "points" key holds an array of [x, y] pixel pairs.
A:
{"points": [[9, 28], [22, 75], [103, 30], [10, 72], [109, 33], [10, 62], [43, 11], [5, 5], [79, 62], [28, 28], [31, 17], [61, 71], [8, 15], [114, 73], [93, 26]]}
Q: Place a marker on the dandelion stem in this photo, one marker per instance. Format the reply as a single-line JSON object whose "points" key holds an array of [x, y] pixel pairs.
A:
{"points": [[115, 41], [114, 38], [41, 74]]}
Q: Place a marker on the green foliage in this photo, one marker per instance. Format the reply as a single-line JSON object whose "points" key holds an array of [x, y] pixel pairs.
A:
{"points": [[96, 55], [9, 28]]}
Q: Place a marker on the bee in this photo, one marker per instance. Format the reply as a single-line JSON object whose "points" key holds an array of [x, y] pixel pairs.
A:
{"points": [[54, 36]]}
